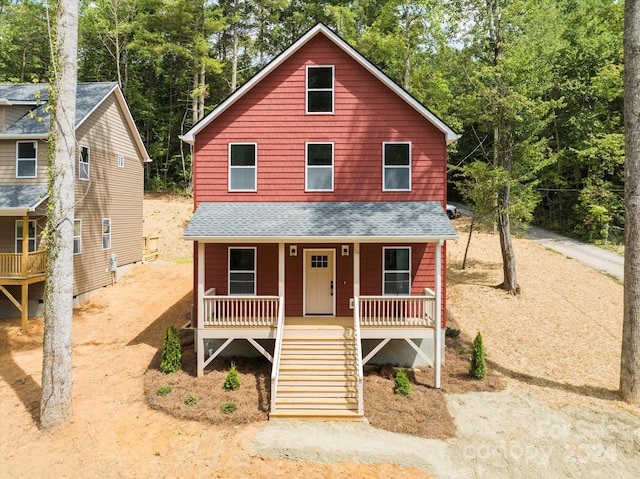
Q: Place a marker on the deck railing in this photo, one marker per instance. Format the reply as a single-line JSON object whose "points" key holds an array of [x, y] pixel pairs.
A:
{"points": [[11, 264], [240, 311], [398, 311]]}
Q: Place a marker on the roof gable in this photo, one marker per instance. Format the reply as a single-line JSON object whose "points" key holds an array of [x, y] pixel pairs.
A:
{"points": [[321, 29], [89, 96]]}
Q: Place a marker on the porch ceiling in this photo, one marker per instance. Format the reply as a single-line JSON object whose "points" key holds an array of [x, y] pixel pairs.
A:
{"points": [[19, 200], [372, 222]]}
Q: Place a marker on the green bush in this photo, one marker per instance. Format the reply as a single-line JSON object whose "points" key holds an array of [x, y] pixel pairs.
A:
{"points": [[228, 407], [171, 352], [231, 383], [402, 384], [478, 367], [451, 332], [163, 390], [191, 399]]}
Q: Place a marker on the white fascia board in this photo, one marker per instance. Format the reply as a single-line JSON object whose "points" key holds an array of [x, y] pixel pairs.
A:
{"points": [[319, 239], [450, 135]]}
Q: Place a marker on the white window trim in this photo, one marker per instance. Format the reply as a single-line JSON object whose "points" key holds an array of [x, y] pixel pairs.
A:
{"points": [[79, 237], [18, 159], [254, 271], [34, 237], [332, 90], [306, 165], [255, 167], [384, 166], [120, 161], [80, 163], [384, 271], [103, 234]]}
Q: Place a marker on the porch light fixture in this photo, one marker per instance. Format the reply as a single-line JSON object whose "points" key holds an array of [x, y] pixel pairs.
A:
{"points": [[293, 250], [345, 250]]}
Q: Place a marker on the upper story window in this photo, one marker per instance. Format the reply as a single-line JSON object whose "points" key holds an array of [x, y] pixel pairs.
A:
{"points": [[396, 160], [319, 171], [106, 233], [319, 89], [242, 271], [396, 275], [243, 166], [77, 236], [31, 235], [83, 163], [26, 159]]}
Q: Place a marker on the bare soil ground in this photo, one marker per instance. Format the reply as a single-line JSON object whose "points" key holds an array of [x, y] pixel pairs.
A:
{"points": [[556, 347]]}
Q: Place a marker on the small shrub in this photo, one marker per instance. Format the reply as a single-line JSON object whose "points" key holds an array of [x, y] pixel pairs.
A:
{"points": [[402, 384], [163, 390], [228, 407], [232, 382], [451, 332], [478, 367], [171, 352], [191, 399]]}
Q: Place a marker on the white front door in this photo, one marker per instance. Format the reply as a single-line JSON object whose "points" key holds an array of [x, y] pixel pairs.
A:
{"points": [[319, 282]]}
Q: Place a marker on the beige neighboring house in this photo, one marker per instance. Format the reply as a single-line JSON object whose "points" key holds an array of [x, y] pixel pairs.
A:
{"points": [[109, 176]]}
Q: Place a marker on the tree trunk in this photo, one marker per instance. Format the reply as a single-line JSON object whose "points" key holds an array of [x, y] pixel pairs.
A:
{"points": [[630, 358], [55, 406]]}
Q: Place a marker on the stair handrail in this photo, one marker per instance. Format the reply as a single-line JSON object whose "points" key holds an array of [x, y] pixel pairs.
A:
{"points": [[276, 353], [359, 365]]}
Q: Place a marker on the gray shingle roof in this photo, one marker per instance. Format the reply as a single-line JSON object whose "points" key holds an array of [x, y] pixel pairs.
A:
{"points": [[21, 196], [361, 221], [88, 96]]}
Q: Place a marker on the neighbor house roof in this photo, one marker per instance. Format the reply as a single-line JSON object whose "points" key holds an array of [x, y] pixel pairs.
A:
{"points": [[89, 96], [264, 222], [450, 135], [18, 200]]}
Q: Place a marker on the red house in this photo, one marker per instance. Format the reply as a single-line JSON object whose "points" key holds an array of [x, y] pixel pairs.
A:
{"points": [[320, 229]]}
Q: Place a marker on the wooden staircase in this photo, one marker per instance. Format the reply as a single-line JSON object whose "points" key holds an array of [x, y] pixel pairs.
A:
{"points": [[318, 374]]}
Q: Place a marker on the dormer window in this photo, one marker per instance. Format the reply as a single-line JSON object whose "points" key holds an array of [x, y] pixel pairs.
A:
{"points": [[320, 89], [26, 159]]}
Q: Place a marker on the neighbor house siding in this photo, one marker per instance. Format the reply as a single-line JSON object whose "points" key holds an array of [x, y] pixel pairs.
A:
{"points": [[112, 192], [272, 114]]}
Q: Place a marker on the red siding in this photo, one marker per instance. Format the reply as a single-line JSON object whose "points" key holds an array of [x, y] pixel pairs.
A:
{"points": [[272, 114]]}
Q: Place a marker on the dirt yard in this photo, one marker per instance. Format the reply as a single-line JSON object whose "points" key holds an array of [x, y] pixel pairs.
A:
{"points": [[557, 346]]}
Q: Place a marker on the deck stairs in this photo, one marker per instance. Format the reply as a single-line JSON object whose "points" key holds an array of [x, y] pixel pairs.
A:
{"points": [[318, 375]]}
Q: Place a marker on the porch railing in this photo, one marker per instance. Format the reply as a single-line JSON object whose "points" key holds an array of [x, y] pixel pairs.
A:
{"points": [[11, 264], [398, 311], [240, 311]]}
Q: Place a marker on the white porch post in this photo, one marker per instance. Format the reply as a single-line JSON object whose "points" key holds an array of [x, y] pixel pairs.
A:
{"points": [[200, 305], [437, 346], [356, 272], [281, 270]]}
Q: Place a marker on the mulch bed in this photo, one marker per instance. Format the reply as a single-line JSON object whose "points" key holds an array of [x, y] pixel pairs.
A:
{"points": [[423, 413]]}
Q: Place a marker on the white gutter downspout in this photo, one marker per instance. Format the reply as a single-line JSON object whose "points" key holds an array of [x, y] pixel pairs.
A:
{"points": [[437, 344]]}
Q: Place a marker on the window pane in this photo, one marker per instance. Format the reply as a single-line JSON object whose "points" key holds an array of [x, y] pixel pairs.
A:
{"points": [[243, 179], [243, 155], [241, 283], [319, 178], [320, 154], [320, 101], [396, 283], [396, 178], [27, 150], [26, 167], [396, 154], [241, 259], [320, 77], [396, 259]]}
